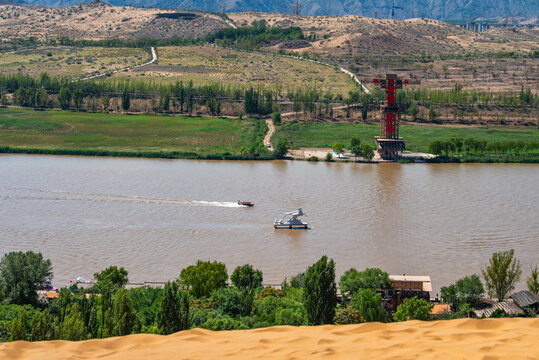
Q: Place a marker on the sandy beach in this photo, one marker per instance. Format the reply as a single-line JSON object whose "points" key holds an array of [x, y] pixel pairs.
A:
{"points": [[453, 339]]}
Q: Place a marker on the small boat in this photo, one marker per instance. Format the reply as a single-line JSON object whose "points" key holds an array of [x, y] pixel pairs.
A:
{"points": [[290, 221], [246, 203]]}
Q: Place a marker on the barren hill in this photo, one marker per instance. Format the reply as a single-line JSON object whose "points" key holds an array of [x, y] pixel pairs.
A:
{"points": [[98, 20], [351, 35]]}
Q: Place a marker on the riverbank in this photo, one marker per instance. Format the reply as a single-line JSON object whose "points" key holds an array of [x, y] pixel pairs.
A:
{"points": [[152, 136], [54, 132], [302, 134], [450, 339]]}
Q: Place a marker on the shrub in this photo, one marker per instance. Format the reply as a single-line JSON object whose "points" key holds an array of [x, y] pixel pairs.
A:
{"points": [[348, 315], [369, 305], [413, 309]]}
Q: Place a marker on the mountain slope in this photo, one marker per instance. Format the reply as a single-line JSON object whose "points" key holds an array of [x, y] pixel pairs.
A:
{"points": [[435, 9]]}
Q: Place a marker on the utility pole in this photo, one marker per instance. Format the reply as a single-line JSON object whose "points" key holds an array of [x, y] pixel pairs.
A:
{"points": [[297, 6]]}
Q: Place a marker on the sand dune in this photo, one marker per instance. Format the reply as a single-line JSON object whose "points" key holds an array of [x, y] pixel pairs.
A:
{"points": [[455, 339]]}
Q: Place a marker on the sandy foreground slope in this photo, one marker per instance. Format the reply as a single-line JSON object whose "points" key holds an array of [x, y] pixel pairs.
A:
{"points": [[454, 339]]}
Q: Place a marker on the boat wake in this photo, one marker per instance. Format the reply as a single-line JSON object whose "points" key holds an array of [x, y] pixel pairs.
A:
{"points": [[52, 195]]}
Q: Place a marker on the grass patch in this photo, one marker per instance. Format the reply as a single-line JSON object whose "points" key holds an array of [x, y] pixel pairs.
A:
{"points": [[97, 133], [309, 134]]}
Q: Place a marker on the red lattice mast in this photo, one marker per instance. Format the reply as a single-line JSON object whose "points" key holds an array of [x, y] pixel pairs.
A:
{"points": [[389, 144]]}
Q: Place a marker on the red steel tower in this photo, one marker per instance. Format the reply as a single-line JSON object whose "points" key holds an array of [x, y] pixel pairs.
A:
{"points": [[389, 145]]}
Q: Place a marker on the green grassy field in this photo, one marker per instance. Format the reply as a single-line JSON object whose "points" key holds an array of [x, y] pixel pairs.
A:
{"points": [[66, 130], [305, 134]]}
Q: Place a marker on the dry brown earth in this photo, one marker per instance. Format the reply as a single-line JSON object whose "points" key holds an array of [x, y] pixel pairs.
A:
{"points": [[349, 35], [98, 20]]}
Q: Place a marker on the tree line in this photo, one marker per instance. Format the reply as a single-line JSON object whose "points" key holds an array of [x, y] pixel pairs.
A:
{"points": [[202, 296], [458, 96], [246, 37], [471, 146]]}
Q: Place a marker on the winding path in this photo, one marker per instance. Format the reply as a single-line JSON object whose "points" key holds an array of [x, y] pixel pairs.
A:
{"points": [[267, 138], [154, 59]]}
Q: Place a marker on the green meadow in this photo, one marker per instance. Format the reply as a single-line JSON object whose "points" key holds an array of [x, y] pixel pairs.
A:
{"points": [[66, 130], [417, 137]]}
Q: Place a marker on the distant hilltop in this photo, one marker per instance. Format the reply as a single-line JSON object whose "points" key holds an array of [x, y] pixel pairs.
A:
{"points": [[398, 9]]}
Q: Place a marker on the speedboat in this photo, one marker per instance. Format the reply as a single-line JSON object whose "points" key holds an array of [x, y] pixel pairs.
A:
{"points": [[290, 221], [246, 203]]}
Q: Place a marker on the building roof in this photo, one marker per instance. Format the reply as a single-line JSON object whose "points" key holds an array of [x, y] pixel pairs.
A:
{"points": [[52, 295], [524, 298], [509, 306], [427, 285], [440, 309]]}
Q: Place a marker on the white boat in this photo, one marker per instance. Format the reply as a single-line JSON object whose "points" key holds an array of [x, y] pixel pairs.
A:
{"points": [[290, 221]]}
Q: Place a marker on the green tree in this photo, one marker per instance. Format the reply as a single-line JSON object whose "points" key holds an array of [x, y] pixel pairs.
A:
{"points": [[41, 322], [367, 152], [245, 277], [533, 281], [72, 327], [19, 326], [204, 277], [105, 101], [320, 292], [173, 315], [413, 110], [126, 100], [64, 98], [371, 278], [329, 157], [338, 147], [112, 278], [107, 315], [413, 309], [233, 301], [435, 147], [365, 111], [272, 310], [124, 317], [458, 143], [22, 274], [356, 150], [433, 114], [466, 290], [369, 305], [276, 117], [281, 149], [78, 98], [502, 273], [355, 141]]}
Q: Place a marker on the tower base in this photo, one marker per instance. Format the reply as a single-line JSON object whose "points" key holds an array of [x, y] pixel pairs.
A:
{"points": [[389, 149]]}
